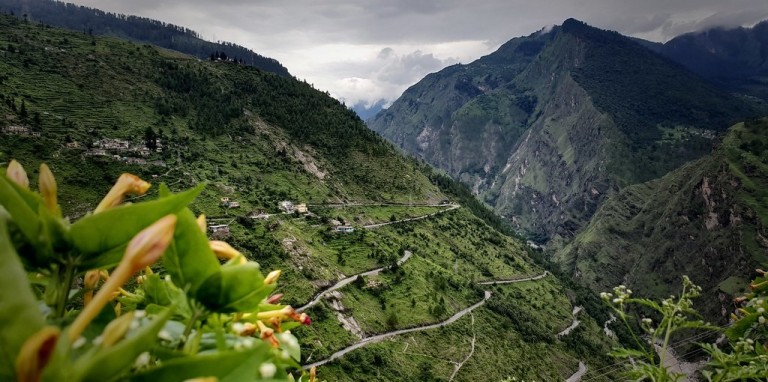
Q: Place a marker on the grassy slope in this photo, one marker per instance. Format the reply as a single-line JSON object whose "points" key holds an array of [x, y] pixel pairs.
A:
{"points": [[258, 138]]}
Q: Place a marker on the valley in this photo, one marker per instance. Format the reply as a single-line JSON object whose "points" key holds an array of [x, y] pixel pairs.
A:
{"points": [[462, 233], [422, 250]]}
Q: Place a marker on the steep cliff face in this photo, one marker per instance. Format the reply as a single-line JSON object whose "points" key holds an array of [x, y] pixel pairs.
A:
{"points": [[707, 220], [547, 126]]}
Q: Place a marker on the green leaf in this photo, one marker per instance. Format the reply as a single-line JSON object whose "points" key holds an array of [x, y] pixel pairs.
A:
{"points": [[107, 259], [19, 313], [238, 288], [233, 366], [106, 364], [290, 344], [189, 259], [740, 327], [163, 191], [16, 201], [163, 293], [53, 240], [102, 232]]}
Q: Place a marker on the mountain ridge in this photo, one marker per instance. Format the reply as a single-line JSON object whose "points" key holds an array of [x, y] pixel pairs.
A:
{"points": [[526, 97], [94, 107], [140, 29]]}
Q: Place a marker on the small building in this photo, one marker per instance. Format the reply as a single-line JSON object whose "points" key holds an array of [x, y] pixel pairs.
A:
{"points": [[344, 229], [286, 206], [258, 214], [226, 202], [302, 208], [96, 152], [219, 228]]}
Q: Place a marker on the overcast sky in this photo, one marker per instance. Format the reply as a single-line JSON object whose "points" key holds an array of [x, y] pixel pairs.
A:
{"points": [[363, 51]]}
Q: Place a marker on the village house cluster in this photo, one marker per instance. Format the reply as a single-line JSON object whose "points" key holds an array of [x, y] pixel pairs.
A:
{"points": [[20, 130], [113, 147]]}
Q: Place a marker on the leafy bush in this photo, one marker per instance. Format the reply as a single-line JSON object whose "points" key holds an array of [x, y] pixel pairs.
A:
{"points": [[747, 358], [191, 317]]}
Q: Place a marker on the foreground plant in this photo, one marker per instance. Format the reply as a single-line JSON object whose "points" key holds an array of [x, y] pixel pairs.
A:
{"points": [[747, 358], [646, 359], [743, 358], [197, 318]]}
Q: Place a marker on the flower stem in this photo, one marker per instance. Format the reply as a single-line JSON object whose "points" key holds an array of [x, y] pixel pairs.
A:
{"points": [[66, 276]]}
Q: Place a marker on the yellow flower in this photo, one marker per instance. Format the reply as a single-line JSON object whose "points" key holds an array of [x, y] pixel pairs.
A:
{"points": [[35, 354], [126, 184], [48, 188], [144, 249], [16, 173]]}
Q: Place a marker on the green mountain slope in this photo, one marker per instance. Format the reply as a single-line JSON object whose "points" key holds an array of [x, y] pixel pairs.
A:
{"points": [[547, 126], [733, 58], [140, 29], [94, 107], [707, 219]]}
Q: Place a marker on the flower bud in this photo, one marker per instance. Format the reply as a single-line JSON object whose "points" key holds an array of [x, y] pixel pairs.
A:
{"points": [[115, 330], [16, 173], [301, 318], [225, 251], [275, 298], [312, 373], [148, 245], [35, 354], [268, 334], [267, 370], [201, 222], [48, 188], [89, 282], [144, 249], [272, 277], [126, 184]]}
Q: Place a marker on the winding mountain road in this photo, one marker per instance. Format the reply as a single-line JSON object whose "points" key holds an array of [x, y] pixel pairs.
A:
{"points": [[377, 225], [574, 324], [380, 337], [576, 377], [495, 282], [406, 255]]}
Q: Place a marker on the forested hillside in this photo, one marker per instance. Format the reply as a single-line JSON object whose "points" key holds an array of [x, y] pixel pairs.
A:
{"points": [[140, 29], [707, 219], [391, 258]]}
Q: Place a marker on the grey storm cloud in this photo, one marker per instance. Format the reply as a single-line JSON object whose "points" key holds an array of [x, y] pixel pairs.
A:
{"points": [[409, 38]]}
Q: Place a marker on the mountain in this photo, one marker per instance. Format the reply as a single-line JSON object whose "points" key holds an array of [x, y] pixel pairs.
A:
{"points": [[140, 29], [707, 219], [420, 245], [367, 111], [547, 126], [734, 58]]}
